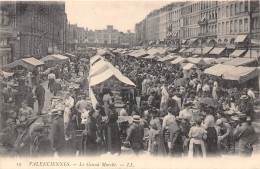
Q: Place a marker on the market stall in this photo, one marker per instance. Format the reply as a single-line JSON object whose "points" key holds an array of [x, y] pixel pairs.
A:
{"points": [[218, 70], [221, 60], [197, 61], [178, 60], [52, 60], [138, 53], [6, 74], [28, 63], [104, 75], [189, 69], [169, 57], [241, 74], [242, 62]]}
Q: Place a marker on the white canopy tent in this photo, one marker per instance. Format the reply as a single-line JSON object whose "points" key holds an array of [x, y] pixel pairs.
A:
{"points": [[102, 71], [178, 60], [189, 66], [218, 70]]}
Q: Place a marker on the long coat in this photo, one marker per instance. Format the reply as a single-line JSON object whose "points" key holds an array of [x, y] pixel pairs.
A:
{"points": [[175, 139], [88, 145], [134, 136], [57, 135], [40, 93], [22, 144], [247, 137], [114, 143], [41, 147]]}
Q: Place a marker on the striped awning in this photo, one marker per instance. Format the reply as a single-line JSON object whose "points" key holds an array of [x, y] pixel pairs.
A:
{"points": [[191, 41], [182, 50], [240, 38], [216, 51], [189, 50], [183, 41], [237, 53]]}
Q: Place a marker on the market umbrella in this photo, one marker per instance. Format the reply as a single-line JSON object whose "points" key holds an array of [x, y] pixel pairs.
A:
{"points": [[181, 82], [208, 101]]}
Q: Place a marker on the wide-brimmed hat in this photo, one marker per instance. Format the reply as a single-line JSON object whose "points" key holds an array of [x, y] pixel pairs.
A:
{"points": [[38, 128], [55, 112], [234, 118], [240, 116], [136, 118], [10, 100], [244, 97]]}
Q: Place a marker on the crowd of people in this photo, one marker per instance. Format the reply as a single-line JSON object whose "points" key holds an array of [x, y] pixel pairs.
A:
{"points": [[198, 117]]}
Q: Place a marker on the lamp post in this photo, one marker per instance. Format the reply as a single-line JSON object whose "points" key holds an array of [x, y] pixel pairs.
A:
{"points": [[201, 45]]}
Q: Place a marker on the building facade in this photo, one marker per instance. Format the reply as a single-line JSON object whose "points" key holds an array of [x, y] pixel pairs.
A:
{"points": [[32, 29], [42, 28], [163, 24], [109, 37], [204, 22], [8, 32], [152, 26], [127, 39], [140, 32], [233, 20]]}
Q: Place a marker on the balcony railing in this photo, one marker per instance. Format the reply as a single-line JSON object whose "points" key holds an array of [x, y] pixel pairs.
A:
{"points": [[207, 34], [203, 22]]}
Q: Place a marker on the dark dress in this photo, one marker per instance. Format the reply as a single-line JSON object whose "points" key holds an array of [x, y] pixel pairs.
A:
{"points": [[176, 140], [57, 135], [88, 145], [211, 141], [40, 96], [114, 143]]}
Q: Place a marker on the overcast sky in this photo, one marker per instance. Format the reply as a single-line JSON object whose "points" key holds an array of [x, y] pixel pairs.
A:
{"points": [[122, 14]]}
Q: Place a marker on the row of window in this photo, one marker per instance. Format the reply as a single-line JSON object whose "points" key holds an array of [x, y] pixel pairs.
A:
{"points": [[198, 6], [233, 26], [174, 14], [4, 18], [233, 9], [224, 11], [256, 23]]}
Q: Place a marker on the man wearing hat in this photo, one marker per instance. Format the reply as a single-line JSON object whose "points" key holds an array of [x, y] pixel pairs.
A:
{"points": [[41, 145], [57, 135], [134, 135], [10, 133], [23, 141], [246, 136], [245, 107], [40, 96]]}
